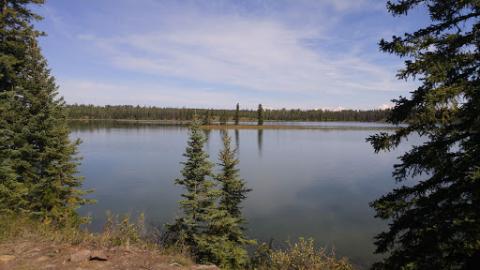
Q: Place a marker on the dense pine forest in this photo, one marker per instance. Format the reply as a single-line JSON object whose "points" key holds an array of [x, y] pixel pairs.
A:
{"points": [[182, 114]]}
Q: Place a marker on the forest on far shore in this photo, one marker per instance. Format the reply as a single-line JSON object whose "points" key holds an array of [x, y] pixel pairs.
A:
{"points": [[182, 114]]}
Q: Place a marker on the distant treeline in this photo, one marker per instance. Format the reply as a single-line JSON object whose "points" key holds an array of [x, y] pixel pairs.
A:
{"points": [[184, 114]]}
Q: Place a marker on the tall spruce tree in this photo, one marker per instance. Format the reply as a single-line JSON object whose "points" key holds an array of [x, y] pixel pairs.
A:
{"points": [[260, 115], [234, 189], [435, 222], [237, 114], [16, 34], [199, 199], [37, 160], [223, 118], [234, 192], [207, 118], [226, 240]]}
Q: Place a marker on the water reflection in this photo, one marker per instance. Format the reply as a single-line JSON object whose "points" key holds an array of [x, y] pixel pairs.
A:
{"points": [[237, 140], [207, 132], [223, 132], [260, 141]]}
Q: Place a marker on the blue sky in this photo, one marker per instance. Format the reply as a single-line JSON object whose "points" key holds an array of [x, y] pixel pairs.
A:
{"points": [[213, 54]]}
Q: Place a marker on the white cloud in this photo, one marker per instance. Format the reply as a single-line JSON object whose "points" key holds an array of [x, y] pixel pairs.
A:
{"points": [[104, 93], [342, 5], [386, 106], [257, 55]]}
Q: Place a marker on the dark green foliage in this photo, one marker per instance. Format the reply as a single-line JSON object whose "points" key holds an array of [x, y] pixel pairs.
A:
{"points": [[16, 34], [199, 197], [237, 114], [37, 159], [224, 242], [260, 115], [196, 228], [214, 245], [435, 223], [234, 192], [223, 118], [186, 114], [207, 118], [234, 189]]}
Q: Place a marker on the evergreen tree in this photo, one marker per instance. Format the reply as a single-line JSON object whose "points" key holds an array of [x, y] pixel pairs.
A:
{"points": [[226, 240], [200, 196], [38, 164], [16, 33], [260, 115], [234, 192], [215, 246], [237, 114], [234, 189], [209, 230], [435, 223], [223, 118], [207, 119]]}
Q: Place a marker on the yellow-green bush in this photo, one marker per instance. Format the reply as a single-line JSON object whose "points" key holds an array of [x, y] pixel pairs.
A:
{"points": [[120, 231], [301, 255], [13, 226]]}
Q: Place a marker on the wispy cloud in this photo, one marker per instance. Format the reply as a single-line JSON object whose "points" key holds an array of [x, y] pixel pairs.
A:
{"points": [[253, 54], [343, 5], [107, 93]]}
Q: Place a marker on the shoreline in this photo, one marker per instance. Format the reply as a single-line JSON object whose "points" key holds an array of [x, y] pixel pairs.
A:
{"points": [[246, 126]]}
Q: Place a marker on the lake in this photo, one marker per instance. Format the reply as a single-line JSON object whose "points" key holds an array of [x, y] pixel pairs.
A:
{"points": [[306, 182]]}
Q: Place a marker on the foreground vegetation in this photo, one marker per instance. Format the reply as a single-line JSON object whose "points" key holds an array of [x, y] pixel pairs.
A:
{"points": [[27, 243], [301, 255]]}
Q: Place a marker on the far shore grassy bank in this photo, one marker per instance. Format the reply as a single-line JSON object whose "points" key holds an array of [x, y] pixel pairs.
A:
{"points": [[270, 125]]}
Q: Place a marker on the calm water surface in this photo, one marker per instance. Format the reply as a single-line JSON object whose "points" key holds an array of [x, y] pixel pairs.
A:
{"points": [[312, 183]]}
